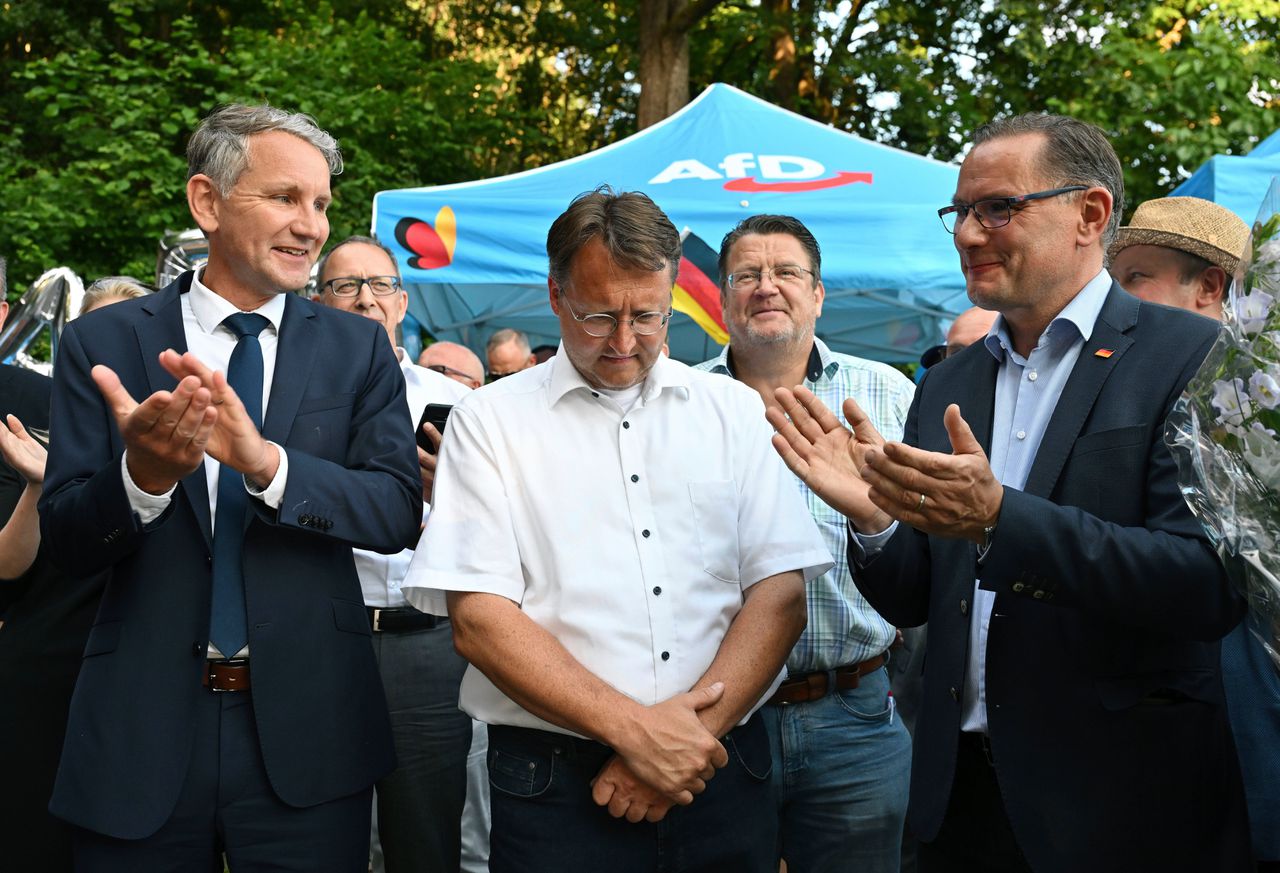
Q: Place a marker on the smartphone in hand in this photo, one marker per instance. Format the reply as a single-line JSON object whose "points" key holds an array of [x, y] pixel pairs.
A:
{"points": [[438, 415]]}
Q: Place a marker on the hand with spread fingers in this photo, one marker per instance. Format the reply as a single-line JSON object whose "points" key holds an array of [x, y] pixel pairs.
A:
{"points": [[234, 439], [165, 436], [953, 495], [827, 456]]}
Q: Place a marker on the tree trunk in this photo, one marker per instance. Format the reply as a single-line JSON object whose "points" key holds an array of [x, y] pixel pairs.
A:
{"points": [[664, 55]]}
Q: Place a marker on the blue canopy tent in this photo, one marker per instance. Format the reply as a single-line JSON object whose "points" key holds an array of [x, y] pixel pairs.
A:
{"points": [[474, 258], [1237, 182]]}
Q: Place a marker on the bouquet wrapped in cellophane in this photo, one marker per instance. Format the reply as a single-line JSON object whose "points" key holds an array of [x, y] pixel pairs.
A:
{"points": [[1225, 431]]}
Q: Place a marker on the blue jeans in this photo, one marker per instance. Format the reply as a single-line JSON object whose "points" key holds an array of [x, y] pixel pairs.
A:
{"points": [[841, 770], [545, 820], [420, 802]]}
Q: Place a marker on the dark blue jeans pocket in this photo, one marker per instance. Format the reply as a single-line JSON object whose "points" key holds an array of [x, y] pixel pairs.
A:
{"points": [[748, 744], [521, 773]]}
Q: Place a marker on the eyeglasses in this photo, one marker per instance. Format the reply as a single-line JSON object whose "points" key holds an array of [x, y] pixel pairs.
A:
{"points": [[994, 212], [349, 286], [449, 371], [784, 274], [600, 324]]}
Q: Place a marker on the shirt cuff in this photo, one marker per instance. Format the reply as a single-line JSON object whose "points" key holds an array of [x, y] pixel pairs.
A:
{"points": [[149, 507], [867, 546], [273, 494]]}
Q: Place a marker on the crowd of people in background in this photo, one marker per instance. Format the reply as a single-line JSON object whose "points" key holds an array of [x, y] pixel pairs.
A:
{"points": [[263, 608]]}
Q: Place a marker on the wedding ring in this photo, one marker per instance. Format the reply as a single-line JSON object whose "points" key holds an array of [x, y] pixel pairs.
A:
{"points": [[920, 505]]}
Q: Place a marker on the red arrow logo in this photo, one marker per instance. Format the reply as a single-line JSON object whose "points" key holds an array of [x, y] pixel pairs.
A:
{"points": [[841, 178]]}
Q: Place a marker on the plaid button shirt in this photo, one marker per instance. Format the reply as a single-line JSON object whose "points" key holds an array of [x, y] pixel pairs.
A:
{"points": [[843, 628]]}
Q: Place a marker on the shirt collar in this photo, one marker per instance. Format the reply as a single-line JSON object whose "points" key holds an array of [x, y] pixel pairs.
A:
{"points": [[821, 362], [210, 309], [1077, 318], [666, 374]]}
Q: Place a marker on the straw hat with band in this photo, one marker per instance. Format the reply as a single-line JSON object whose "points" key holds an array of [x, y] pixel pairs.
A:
{"points": [[1188, 224]]}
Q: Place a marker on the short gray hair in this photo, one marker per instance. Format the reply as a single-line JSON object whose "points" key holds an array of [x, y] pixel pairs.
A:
{"points": [[635, 232], [1075, 153], [355, 240], [505, 335], [219, 148]]}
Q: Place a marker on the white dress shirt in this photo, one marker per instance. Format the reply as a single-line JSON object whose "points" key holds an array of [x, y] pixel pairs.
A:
{"points": [[208, 339], [629, 536], [381, 575]]}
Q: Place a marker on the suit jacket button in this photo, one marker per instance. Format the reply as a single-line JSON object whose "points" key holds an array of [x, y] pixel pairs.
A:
{"points": [[1017, 587], [964, 607], [1038, 595], [198, 648], [955, 695]]}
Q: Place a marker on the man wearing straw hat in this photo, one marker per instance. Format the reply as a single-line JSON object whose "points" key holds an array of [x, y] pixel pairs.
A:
{"points": [[1179, 251]]}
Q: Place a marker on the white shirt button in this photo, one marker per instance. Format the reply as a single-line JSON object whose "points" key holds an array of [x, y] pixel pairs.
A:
{"points": [[1033, 375], [1022, 434]]}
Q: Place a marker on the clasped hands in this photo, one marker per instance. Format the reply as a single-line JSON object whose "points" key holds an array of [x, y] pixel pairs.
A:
{"points": [[168, 433], [666, 758], [873, 482]]}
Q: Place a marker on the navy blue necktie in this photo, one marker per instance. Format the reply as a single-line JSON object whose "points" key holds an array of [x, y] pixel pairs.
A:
{"points": [[228, 628]]}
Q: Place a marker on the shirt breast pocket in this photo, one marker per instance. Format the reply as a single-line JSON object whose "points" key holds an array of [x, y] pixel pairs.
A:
{"points": [[715, 518]]}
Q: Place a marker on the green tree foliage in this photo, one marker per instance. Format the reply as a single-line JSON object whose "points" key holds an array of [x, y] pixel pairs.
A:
{"points": [[98, 97]]}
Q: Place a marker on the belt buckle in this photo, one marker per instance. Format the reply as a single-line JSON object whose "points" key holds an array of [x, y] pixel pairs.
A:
{"points": [[233, 662], [377, 620]]}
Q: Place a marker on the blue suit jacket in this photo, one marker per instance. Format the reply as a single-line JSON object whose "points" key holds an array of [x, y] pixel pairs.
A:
{"points": [[1104, 699], [337, 406]]}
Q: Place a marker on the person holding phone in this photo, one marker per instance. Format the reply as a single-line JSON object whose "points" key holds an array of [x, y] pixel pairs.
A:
{"points": [[420, 803]]}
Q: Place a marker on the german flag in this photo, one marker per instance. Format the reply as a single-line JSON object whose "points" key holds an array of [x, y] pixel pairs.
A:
{"points": [[696, 293]]}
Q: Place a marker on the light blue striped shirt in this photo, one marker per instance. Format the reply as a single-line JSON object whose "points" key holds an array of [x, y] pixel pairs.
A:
{"points": [[843, 628]]}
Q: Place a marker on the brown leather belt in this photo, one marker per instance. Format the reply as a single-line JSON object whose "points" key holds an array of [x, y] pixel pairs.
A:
{"points": [[229, 675], [813, 686]]}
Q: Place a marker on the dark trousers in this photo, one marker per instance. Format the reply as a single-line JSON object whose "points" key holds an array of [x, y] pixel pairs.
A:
{"points": [[227, 805], [976, 836], [420, 802], [545, 820]]}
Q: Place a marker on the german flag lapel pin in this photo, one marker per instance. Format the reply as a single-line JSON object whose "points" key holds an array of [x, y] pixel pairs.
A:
{"points": [[1104, 353]]}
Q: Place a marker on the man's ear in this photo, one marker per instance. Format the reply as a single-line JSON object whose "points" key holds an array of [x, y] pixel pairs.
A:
{"points": [[820, 293], [1211, 287], [204, 199], [555, 295], [1095, 213], [4, 312]]}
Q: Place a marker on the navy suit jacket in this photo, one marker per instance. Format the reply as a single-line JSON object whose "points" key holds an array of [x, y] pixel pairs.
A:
{"points": [[337, 406], [1104, 699]]}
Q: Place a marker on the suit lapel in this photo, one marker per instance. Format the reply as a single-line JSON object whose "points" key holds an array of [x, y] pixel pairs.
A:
{"points": [[1119, 313], [164, 330], [978, 408], [295, 353]]}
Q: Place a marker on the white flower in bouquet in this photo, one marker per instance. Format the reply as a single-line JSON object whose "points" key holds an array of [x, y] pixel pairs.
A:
{"points": [[1264, 389], [1266, 265], [1252, 310], [1262, 453], [1231, 402]]}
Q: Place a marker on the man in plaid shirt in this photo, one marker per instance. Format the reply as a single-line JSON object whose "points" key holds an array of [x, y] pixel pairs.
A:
{"points": [[841, 759]]}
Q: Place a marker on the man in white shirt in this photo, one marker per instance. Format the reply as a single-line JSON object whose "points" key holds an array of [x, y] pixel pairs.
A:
{"points": [[624, 573], [420, 802]]}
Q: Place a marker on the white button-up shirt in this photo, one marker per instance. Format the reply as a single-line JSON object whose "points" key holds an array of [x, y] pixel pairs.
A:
{"points": [[629, 536], [381, 575]]}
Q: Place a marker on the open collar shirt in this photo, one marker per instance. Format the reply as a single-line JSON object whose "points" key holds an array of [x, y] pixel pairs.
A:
{"points": [[630, 536], [843, 628], [1027, 393], [381, 575]]}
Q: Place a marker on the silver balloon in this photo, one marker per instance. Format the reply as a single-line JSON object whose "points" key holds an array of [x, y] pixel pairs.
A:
{"points": [[50, 302], [180, 250]]}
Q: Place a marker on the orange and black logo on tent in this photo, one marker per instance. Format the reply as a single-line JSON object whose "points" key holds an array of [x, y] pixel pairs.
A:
{"points": [[429, 246]]}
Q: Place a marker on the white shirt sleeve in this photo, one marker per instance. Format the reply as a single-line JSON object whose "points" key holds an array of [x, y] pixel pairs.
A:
{"points": [[149, 507], [273, 494], [867, 546]]}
